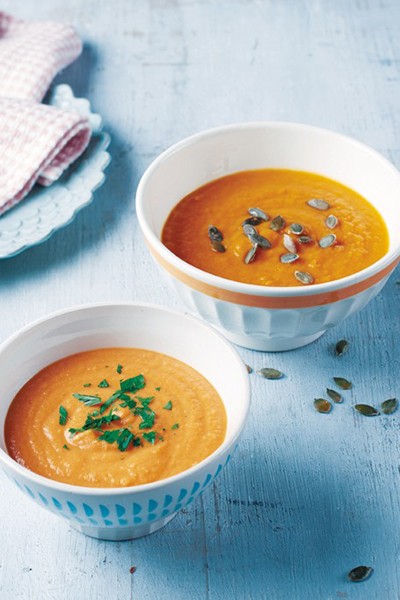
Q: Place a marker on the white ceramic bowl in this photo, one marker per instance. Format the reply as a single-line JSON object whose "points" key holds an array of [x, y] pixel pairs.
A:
{"points": [[269, 318], [123, 513]]}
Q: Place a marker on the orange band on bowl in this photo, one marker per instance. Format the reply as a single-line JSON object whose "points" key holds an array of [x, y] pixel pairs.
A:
{"points": [[273, 301]]}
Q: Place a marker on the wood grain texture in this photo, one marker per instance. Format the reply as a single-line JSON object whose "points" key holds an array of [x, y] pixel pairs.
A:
{"points": [[308, 496]]}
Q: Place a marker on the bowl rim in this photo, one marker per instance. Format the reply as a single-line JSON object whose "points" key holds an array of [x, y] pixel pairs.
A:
{"points": [[145, 487], [388, 260]]}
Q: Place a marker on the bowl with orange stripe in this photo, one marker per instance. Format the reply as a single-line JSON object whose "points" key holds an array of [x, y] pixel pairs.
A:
{"points": [[269, 317]]}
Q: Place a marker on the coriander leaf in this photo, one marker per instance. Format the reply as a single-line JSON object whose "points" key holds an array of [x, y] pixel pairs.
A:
{"points": [[110, 436], [124, 439], [119, 369], [87, 384], [66, 447], [150, 436], [147, 417], [168, 406], [91, 423], [158, 389], [128, 402], [145, 401], [63, 415], [111, 399], [176, 426], [104, 384], [160, 437], [132, 384], [87, 400]]}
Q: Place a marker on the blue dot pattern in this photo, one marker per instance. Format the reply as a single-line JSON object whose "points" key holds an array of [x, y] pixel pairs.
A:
{"points": [[115, 515]]}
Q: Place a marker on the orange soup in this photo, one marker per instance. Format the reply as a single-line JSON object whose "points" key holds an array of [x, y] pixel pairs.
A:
{"points": [[276, 227], [114, 417]]}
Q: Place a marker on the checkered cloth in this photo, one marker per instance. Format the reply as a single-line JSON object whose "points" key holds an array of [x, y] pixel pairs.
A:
{"points": [[37, 142]]}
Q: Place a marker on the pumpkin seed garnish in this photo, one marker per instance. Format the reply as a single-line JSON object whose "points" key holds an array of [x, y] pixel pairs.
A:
{"points": [[331, 222], [343, 383], [318, 204], [334, 395], [341, 347], [322, 405], [249, 369], [305, 239], [277, 223], [214, 234], [257, 212], [296, 228], [269, 373], [251, 254], [217, 246], [260, 240], [304, 277], [252, 221], [289, 257], [327, 240], [389, 406], [249, 230], [289, 243], [366, 410], [359, 574]]}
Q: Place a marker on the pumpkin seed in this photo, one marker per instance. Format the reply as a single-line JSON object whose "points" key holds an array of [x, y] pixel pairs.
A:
{"points": [[289, 244], [249, 230], [304, 277], [289, 257], [334, 395], [318, 204], [278, 223], [322, 405], [327, 240], [389, 406], [331, 222], [269, 373], [343, 383], [341, 347], [257, 212], [249, 369], [360, 573], [366, 410], [252, 221], [250, 256], [305, 239], [214, 234], [217, 246], [260, 240], [296, 228]]}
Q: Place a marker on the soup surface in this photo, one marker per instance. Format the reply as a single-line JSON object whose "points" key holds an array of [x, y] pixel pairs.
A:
{"points": [[114, 417], [302, 228]]}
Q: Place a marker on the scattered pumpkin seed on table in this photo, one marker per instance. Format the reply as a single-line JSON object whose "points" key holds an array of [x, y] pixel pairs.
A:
{"points": [[366, 410], [322, 405], [343, 383], [389, 406], [334, 395], [359, 574], [269, 373], [341, 347]]}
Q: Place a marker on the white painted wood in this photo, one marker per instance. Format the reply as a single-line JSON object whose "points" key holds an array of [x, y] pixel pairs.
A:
{"points": [[308, 496]]}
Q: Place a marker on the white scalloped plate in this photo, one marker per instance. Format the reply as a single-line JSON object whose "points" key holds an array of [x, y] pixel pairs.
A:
{"points": [[45, 210]]}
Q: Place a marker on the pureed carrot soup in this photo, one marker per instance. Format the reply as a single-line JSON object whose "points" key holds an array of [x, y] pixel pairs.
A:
{"points": [[114, 417], [276, 227]]}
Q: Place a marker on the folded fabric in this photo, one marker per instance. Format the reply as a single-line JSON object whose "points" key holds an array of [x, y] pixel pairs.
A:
{"points": [[31, 55], [37, 142]]}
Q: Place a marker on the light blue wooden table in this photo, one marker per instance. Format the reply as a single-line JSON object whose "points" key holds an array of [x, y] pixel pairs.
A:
{"points": [[308, 496]]}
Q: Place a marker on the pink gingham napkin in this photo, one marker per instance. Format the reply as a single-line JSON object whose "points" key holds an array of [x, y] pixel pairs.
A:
{"points": [[37, 142]]}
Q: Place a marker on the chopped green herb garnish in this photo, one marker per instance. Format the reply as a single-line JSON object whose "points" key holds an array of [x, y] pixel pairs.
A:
{"points": [[145, 401], [150, 437], [104, 384], [147, 415], [133, 384], [119, 369], [160, 437], [91, 423], [88, 400], [66, 447], [87, 384], [176, 426], [168, 406], [111, 399], [158, 389], [127, 402], [123, 437], [63, 415]]}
